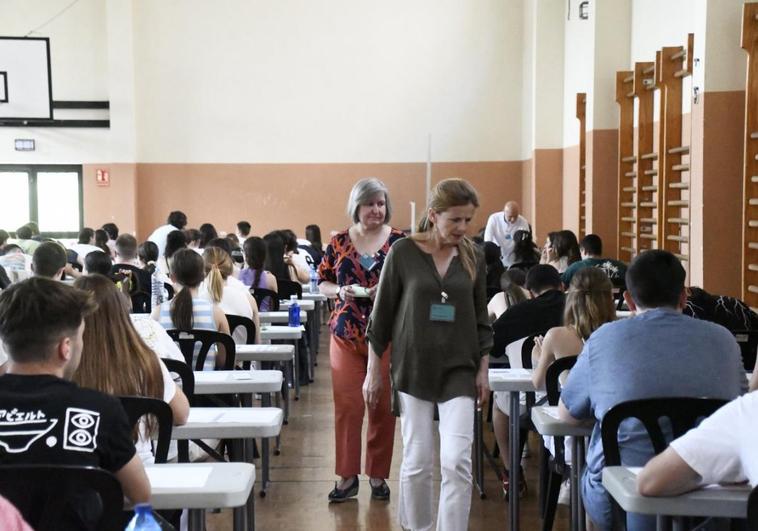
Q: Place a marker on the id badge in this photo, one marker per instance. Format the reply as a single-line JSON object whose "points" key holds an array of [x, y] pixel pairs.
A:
{"points": [[442, 313]]}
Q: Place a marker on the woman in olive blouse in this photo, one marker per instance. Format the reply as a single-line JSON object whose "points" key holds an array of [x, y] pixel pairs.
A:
{"points": [[431, 305]]}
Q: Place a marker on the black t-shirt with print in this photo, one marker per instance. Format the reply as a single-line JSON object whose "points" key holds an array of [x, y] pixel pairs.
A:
{"points": [[47, 420]]}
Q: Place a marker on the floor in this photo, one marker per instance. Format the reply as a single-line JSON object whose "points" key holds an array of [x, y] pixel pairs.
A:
{"points": [[303, 475]]}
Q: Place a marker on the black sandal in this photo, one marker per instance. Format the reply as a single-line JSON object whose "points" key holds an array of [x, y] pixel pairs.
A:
{"points": [[340, 495], [380, 492]]}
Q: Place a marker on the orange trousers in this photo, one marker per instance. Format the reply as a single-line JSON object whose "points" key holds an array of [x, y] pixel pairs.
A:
{"points": [[349, 361]]}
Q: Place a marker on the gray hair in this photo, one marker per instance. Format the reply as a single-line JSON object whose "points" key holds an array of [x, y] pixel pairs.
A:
{"points": [[362, 192]]}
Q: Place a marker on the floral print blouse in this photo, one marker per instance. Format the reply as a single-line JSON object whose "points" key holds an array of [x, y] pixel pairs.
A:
{"points": [[344, 265]]}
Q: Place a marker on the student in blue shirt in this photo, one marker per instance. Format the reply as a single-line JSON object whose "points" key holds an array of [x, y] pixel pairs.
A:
{"points": [[657, 353]]}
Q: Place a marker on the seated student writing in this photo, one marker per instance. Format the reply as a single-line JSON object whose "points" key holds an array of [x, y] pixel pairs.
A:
{"points": [[188, 310], [117, 362], [42, 325]]}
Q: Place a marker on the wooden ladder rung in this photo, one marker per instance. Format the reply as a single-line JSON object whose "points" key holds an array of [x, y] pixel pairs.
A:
{"points": [[675, 238], [680, 55], [582, 205], [651, 188], [753, 202], [629, 249], [679, 149], [648, 236], [682, 73], [679, 186], [649, 70], [630, 158], [678, 221], [649, 156], [628, 234], [648, 204], [752, 289], [682, 257], [629, 189], [629, 79], [752, 267], [680, 167], [630, 174], [628, 205], [582, 218], [651, 221], [627, 218], [754, 179], [753, 224], [678, 203], [650, 172], [752, 245], [753, 135], [630, 94]]}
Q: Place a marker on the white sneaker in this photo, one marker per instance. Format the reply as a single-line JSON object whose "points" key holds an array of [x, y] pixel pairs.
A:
{"points": [[564, 495]]}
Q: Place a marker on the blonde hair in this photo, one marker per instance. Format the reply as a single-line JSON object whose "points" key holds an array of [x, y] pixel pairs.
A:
{"points": [[218, 267], [589, 301], [447, 194]]}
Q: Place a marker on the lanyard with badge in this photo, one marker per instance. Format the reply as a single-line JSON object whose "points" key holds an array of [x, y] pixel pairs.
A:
{"points": [[443, 312]]}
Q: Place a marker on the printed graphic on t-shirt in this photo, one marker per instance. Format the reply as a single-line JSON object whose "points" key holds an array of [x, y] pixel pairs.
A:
{"points": [[20, 429], [610, 269]]}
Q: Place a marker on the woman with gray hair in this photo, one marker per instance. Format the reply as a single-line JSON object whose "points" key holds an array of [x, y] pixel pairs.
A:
{"points": [[350, 271]]}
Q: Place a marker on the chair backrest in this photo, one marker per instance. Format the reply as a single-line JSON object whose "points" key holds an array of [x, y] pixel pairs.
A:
{"points": [[42, 492], [287, 288], [169, 290], [683, 414], [752, 510], [748, 342], [267, 296], [526, 350], [187, 339], [184, 371], [246, 323], [137, 407], [140, 294], [552, 378]]}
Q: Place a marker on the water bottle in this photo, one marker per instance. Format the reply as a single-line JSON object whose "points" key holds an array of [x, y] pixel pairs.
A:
{"points": [[143, 519], [314, 280], [156, 290], [294, 312]]}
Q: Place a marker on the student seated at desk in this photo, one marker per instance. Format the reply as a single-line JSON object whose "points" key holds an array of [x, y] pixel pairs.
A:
{"points": [[721, 450], [188, 310], [117, 362], [42, 325], [510, 294], [659, 352], [254, 275], [98, 263]]}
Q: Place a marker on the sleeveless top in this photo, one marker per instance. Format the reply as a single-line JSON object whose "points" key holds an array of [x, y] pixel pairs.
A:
{"points": [[247, 276], [202, 319]]}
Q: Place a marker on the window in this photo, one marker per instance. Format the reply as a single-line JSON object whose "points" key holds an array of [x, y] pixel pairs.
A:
{"points": [[49, 195]]}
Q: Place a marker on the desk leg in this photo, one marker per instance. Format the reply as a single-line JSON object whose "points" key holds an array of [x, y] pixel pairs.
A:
{"points": [[265, 402], [296, 369], [196, 520], [578, 519], [250, 510], [239, 514], [513, 500]]}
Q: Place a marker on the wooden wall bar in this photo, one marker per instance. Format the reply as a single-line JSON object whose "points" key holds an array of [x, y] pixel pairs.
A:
{"points": [[750, 186], [646, 201], [584, 200], [627, 207]]}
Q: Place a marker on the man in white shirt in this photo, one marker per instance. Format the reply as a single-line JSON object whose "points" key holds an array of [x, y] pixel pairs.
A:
{"points": [[721, 450], [501, 226], [177, 220]]}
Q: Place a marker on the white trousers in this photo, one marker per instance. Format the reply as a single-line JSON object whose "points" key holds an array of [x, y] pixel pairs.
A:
{"points": [[456, 427]]}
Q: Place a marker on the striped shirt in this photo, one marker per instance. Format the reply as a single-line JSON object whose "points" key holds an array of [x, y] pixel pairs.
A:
{"points": [[202, 319]]}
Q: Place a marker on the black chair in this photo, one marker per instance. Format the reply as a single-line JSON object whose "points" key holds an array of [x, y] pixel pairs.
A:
{"points": [[683, 414], [526, 349], [287, 288], [140, 293], [245, 322], [553, 468], [262, 295], [748, 342], [187, 339], [169, 290], [137, 407], [752, 510], [42, 494]]}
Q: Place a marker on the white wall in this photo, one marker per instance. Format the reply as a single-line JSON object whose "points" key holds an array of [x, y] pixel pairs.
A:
{"points": [[579, 59], [339, 81]]}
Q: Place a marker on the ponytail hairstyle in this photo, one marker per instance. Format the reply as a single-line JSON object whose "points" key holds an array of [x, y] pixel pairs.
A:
{"points": [[218, 267], [589, 301], [447, 194], [188, 271], [255, 256]]}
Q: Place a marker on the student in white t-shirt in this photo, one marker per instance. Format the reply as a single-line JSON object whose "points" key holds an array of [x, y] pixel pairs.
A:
{"points": [[722, 449], [85, 244]]}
